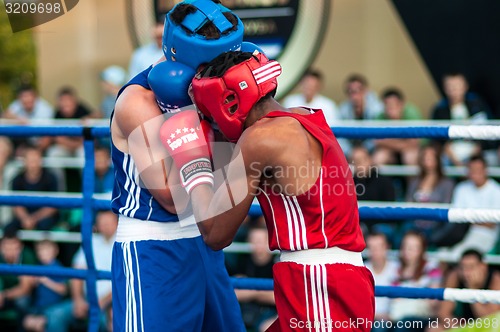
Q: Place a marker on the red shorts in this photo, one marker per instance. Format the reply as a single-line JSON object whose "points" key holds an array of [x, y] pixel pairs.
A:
{"points": [[323, 297]]}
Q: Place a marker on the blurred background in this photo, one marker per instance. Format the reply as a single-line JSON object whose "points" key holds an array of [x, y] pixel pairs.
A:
{"points": [[401, 43]]}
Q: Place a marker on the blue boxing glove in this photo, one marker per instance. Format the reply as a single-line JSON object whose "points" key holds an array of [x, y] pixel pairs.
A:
{"points": [[170, 83]]}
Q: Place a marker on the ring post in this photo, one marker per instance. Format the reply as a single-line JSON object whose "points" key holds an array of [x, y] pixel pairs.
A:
{"points": [[86, 229]]}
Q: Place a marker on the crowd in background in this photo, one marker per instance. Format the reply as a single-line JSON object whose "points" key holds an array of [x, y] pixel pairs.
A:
{"points": [[56, 304]]}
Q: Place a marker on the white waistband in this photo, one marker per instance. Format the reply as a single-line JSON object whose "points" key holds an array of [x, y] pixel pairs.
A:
{"points": [[332, 255], [130, 229]]}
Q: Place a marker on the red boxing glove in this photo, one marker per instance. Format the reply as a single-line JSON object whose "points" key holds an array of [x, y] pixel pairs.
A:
{"points": [[187, 142]]}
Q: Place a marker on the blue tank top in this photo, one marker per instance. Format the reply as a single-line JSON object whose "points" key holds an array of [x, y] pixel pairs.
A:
{"points": [[129, 198]]}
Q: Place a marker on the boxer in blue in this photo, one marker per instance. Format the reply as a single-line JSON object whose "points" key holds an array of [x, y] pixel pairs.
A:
{"points": [[164, 276]]}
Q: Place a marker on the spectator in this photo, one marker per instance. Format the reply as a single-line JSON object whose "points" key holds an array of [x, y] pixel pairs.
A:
{"points": [[362, 104], [472, 273], [112, 79], [49, 291], [384, 272], [394, 150], [370, 186], [68, 108], [430, 186], [29, 106], [6, 150], [16, 290], [257, 306], [478, 192], [33, 178], [74, 312], [148, 54], [104, 176], [310, 87], [415, 271], [459, 104]]}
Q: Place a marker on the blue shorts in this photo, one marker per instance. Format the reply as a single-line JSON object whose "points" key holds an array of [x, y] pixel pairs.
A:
{"points": [[172, 285]]}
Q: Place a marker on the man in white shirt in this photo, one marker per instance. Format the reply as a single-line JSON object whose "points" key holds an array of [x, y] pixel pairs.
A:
{"points": [[29, 106], [310, 87], [362, 103], [478, 192], [146, 55]]}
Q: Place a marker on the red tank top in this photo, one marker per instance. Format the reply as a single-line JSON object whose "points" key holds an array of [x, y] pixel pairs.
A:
{"points": [[327, 214]]}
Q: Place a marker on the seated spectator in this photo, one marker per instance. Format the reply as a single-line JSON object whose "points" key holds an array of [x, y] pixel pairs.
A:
{"points": [[430, 186], [370, 186], [68, 108], [478, 192], [361, 104], [309, 96], [49, 291], [415, 271], [104, 176], [6, 150], [146, 55], [384, 272], [33, 178], [75, 312], [459, 104], [112, 79], [257, 306], [27, 107], [16, 290], [395, 150], [472, 273]]}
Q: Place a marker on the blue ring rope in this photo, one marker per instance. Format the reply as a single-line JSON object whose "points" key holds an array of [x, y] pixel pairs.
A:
{"points": [[238, 283], [345, 132], [365, 212], [391, 132]]}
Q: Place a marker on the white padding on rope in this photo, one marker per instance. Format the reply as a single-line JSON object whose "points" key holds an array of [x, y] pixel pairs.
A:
{"points": [[471, 295], [474, 215], [474, 132]]}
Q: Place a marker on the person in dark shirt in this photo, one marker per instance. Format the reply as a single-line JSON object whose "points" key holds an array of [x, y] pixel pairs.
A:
{"points": [[104, 175], [15, 290], [33, 178], [258, 307], [472, 273], [370, 186], [48, 291], [459, 104], [68, 108]]}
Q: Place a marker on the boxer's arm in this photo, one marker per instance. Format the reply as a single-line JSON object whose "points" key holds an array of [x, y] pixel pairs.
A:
{"points": [[219, 214], [134, 129]]}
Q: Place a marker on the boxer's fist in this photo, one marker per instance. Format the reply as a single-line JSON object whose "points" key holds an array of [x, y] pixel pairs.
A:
{"points": [[170, 83], [186, 141]]}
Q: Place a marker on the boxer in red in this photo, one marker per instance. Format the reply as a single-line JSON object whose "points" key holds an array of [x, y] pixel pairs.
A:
{"points": [[291, 161]]}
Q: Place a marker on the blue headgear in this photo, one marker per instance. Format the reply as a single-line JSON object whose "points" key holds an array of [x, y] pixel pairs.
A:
{"points": [[193, 49]]}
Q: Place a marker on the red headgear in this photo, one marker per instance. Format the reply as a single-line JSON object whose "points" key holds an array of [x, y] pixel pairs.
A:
{"points": [[229, 99]]}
